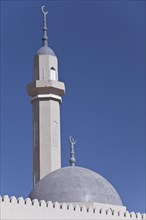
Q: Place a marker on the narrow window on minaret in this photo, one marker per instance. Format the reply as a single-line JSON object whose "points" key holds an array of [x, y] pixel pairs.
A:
{"points": [[52, 73], [34, 179], [43, 73]]}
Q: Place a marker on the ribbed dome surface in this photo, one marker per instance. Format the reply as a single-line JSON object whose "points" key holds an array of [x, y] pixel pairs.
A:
{"points": [[45, 50], [75, 184]]}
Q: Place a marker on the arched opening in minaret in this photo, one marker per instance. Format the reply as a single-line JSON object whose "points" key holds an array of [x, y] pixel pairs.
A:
{"points": [[52, 73]]}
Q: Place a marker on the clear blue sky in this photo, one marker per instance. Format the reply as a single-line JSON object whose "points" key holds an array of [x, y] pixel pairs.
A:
{"points": [[100, 46]]}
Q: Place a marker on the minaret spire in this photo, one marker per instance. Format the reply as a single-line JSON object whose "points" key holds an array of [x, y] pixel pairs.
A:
{"points": [[72, 159], [45, 37]]}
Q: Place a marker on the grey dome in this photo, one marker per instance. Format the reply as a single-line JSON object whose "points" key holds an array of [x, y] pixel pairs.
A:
{"points": [[75, 184], [45, 50]]}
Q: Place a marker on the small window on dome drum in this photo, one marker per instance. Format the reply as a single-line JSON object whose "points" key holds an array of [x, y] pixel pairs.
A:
{"points": [[52, 73]]}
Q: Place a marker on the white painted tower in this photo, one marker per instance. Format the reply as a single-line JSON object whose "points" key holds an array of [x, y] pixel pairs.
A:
{"points": [[45, 92]]}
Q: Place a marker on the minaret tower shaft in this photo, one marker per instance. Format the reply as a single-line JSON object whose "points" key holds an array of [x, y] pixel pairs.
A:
{"points": [[45, 92]]}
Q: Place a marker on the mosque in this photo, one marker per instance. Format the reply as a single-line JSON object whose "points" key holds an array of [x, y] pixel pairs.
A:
{"points": [[59, 193]]}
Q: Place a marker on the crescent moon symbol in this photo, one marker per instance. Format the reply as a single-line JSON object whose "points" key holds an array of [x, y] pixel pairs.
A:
{"points": [[72, 140], [43, 10]]}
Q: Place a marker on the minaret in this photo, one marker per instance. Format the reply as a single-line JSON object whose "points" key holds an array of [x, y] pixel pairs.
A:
{"points": [[45, 92]]}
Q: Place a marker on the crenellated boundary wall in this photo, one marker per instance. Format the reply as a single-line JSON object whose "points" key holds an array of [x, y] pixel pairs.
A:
{"points": [[21, 209]]}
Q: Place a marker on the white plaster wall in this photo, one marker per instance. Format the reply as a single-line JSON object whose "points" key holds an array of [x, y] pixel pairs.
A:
{"points": [[12, 208], [46, 138]]}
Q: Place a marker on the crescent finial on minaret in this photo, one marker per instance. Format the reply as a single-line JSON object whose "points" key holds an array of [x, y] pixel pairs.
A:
{"points": [[72, 159], [45, 37], [45, 13]]}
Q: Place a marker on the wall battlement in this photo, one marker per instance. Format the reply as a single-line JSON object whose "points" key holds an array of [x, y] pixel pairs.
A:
{"points": [[20, 208]]}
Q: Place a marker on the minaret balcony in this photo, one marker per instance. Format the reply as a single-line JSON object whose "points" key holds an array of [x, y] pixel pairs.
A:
{"points": [[46, 87]]}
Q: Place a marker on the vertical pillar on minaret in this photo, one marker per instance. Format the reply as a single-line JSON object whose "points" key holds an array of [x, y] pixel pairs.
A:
{"points": [[46, 92]]}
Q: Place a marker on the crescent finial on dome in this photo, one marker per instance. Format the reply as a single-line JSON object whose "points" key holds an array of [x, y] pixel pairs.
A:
{"points": [[72, 159]]}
